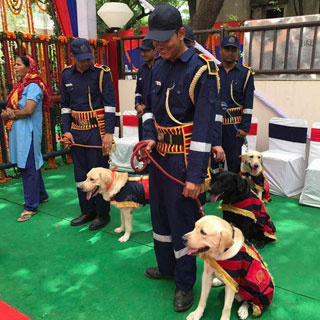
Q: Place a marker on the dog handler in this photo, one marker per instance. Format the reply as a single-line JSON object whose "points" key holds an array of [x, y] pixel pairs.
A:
{"points": [[237, 89], [88, 118], [148, 55], [178, 123]]}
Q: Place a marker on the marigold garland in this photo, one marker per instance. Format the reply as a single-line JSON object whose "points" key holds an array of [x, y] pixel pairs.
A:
{"points": [[3, 15], [44, 37], [41, 8], [27, 35], [10, 35], [63, 39], [12, 7]]}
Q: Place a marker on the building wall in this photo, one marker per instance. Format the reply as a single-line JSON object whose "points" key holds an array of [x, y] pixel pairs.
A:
{"points": [[297, 99]]}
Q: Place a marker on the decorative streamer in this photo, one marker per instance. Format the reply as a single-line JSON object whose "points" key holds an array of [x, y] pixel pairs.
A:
{"points": [[147, 5]]}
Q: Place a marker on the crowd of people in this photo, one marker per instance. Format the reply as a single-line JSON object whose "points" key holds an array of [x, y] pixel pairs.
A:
{"points": [[191, 112]]}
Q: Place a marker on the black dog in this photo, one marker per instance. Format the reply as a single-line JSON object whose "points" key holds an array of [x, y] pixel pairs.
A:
{"points": [[243, 208]]}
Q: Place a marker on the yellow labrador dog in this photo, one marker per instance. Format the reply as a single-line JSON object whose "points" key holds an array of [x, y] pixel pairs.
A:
{"points": [[251, 169], [226, 256], [124, 192], [251, 166]]}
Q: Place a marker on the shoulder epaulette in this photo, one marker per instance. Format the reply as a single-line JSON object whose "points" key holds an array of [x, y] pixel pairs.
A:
{"points": [[212, 66], [67, 67], [248, 67], [103, 67]]}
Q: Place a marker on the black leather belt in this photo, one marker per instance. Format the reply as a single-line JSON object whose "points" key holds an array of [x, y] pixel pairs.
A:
{"points": [[170, 138]]}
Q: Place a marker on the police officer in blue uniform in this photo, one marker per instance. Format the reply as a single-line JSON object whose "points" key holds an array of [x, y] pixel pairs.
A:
{"points": [[88, 118], [180, 119], [148, 54], [189, 38], [237, 90]]}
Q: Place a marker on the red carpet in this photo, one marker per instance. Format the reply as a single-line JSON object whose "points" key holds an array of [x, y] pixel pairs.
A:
{"points": [[9, 313]]}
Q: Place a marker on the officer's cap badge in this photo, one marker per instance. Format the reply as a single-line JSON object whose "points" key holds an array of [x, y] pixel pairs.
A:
{"points": [[232, 40], [83, 48]]}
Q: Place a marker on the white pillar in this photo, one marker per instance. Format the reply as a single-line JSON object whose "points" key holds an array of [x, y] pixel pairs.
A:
{"points": [[87, 19]]}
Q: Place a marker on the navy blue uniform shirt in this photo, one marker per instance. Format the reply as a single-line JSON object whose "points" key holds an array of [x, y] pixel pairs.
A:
{"points": [[205, 113], [241, 79], [74, 96], [143, 78]]}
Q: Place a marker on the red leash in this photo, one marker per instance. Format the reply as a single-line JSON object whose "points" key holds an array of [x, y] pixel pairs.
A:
{"points": [[137, 154]]}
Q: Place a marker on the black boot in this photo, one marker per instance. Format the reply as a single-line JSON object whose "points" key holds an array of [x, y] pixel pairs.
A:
{"points": [[100, 221], [183, 300], [154, 273], [84, 218]]}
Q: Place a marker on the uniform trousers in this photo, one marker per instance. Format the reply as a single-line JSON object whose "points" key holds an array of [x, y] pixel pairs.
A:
{"points": [[172, 216], [33, 186], [84, 159], [232, 147]]}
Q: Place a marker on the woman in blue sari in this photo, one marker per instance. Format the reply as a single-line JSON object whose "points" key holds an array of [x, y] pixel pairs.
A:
{"points": [[23, 119]]}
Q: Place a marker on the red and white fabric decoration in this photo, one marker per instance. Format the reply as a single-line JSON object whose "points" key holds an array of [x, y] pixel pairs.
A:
{"points": [[311, 192]]}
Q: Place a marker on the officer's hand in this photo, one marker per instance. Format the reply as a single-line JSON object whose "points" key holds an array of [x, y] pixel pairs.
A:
{"points": [[191, 190], [107, 143], [10, 114], [241, 134], [218, 153], [4, 115], [68, 140], [149, 147], [140, 108]]}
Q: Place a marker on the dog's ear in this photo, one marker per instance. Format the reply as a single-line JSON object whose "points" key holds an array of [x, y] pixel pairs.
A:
{"points": [[242, 184], [104, 178], [226, 241], [243, 156]]}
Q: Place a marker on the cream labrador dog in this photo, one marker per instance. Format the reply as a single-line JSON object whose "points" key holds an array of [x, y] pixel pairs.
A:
{"points": [[115, 187], [218, 242], [251, 166], [251, 169]]}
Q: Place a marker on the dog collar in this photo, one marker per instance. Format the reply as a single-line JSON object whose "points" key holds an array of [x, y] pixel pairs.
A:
{"points": [[232, 237], [112, 178]]}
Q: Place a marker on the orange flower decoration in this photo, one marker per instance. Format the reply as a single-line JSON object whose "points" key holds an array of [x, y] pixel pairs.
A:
{"points": [[63, 39], [27, 35], [10, 35], [44, 37]]}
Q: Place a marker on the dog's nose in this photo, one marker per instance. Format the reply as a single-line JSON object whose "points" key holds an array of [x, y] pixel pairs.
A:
{"points": [[256, 165], [184, 239]]}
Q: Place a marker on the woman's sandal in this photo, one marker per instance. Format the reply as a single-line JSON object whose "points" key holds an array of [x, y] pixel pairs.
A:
{"points": [[26, 215]]}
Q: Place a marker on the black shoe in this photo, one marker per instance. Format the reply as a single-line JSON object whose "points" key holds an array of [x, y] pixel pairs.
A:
{"points": [[99, 222], [154, 273], [183, 300], [84, 218]]}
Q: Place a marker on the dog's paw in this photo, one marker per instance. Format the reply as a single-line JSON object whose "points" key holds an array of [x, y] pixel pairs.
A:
{"points": [[118, 230], [243, 311], [217, 283], [195, 315], [124, 238]]}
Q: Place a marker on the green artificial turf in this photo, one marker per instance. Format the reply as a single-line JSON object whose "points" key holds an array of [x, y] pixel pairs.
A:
{"points": [[49, 270]]}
